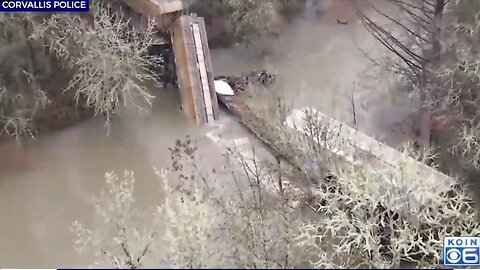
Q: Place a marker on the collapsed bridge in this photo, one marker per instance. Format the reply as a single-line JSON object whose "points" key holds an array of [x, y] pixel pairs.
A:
{"points": [[195, 78], [193, 67]]}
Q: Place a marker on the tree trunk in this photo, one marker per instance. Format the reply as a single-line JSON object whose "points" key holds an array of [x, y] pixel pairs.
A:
{"points": [[431, 60]]}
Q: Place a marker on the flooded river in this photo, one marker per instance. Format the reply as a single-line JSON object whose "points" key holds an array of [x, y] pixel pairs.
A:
{"points": [[40, 199]]}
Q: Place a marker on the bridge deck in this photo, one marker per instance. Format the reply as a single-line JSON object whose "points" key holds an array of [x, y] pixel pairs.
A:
{"points": [[156, 7], [165, 12]]}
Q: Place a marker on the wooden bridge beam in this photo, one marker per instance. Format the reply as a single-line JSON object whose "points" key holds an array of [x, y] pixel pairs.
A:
{"points": [[194, 69]]}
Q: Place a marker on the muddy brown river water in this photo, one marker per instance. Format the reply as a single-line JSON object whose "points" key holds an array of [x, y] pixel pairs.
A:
{"points": [[317, 60]]}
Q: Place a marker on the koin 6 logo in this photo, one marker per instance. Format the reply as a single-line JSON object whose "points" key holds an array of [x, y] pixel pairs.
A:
{"points": [[461, 251]]}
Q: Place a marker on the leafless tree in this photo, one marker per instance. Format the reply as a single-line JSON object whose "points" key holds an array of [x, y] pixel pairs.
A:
{"points": [[414, 41], [109, 58], [434, 48], [362, 217], [23, 64]]}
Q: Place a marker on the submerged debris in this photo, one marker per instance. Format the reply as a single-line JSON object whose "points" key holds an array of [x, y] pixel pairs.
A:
{"points": [[256, 78]]}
